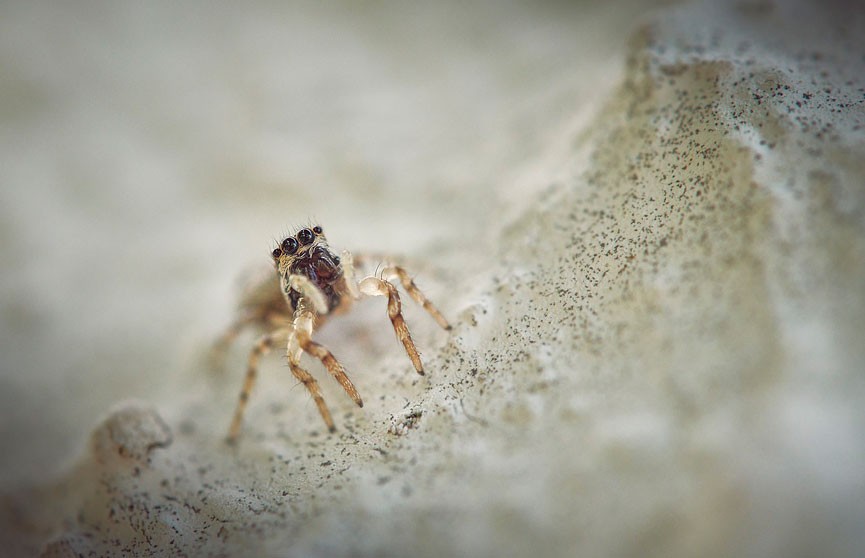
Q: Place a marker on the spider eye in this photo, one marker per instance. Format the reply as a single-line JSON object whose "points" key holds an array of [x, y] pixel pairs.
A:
{"points": [[305, 236], [289, 245], [317, 229], [277, 252], [336, 260]]}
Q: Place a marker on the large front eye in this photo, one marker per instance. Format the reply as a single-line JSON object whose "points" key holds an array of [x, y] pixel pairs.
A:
{"points": [[305, 236], [289, 245]]}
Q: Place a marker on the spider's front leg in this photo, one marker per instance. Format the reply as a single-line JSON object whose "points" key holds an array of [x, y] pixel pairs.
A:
{"points": [[373, 286], [389, 272], [394, 271], [300, 341]]}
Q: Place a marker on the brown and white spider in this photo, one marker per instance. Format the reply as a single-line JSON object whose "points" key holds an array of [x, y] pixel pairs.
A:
{"points": [[312, 284]]}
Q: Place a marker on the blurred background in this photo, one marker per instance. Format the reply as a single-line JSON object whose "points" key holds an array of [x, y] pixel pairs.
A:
{"points": [[149, 152]]}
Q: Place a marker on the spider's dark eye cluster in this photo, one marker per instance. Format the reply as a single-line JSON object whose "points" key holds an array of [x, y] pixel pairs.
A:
{"points": [[290, 245]]}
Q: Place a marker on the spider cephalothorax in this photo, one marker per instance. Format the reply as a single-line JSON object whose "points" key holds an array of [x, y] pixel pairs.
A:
{"points": [[311, 284], [306, 254]]}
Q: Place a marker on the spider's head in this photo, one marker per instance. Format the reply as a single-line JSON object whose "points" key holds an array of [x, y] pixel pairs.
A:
{"points": [[307, 253]]}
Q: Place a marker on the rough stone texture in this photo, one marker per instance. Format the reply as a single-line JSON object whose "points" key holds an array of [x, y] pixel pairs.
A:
{"points": [[656, 274]]}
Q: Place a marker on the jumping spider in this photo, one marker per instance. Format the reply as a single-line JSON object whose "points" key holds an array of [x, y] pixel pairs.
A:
{"points": [[312, 284]]}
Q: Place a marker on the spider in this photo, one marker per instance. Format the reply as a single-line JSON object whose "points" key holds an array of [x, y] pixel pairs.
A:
{"points": [[312, 284]]}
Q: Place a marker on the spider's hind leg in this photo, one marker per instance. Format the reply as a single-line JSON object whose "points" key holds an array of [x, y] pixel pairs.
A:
{"points": [[218, 351], [263, 346]]}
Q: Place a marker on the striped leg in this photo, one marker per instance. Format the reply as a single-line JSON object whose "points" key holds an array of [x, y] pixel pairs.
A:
{"points": [[414, 292], [262, 347], [333, 366], [298, 342], [307, 380], [220, 347], [373, 286]]}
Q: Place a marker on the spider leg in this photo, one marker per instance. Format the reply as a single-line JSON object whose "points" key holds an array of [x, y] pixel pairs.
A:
{"points": [[373, 286], [230, 334], [299, 337], [264, 344], [307, 380], [333, 366], [220, 347], [408, 284], [347, 261]]}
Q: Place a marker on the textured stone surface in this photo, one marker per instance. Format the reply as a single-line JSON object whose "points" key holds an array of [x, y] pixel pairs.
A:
{"points": [[655, 269]]}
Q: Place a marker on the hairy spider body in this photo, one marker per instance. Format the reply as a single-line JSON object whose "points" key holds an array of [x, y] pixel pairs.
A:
{"points": [[312, 283], [318, 264]]}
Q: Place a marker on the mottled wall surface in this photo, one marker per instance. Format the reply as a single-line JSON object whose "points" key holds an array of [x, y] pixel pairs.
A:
{"points": [[648, 230]]}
